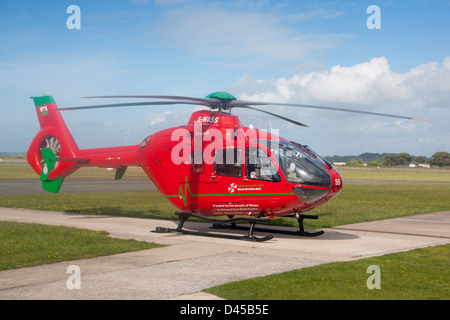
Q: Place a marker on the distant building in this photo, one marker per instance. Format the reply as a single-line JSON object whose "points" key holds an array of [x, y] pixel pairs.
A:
{"points": [[338, 163]]}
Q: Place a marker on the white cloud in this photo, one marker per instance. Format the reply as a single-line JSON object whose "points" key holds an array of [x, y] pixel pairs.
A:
{"points": [[370, 85], [422, 92]]}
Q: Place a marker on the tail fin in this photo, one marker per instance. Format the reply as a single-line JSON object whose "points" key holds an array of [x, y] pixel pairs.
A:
{"points": [[52, 143]]}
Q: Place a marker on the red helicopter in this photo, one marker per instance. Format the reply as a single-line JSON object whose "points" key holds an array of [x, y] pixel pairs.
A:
{"points": [[212, 166]]}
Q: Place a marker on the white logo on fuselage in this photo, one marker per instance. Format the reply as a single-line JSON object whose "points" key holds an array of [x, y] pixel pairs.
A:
{"points": [[208, 119]]}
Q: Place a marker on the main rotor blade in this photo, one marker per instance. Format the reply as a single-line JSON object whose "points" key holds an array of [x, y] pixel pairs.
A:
{"points": [[275, 115], [203, 101], [241, 103], [131, 104]]}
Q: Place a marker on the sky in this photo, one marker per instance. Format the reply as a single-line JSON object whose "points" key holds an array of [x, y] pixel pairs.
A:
{"points": [[324, 53]]}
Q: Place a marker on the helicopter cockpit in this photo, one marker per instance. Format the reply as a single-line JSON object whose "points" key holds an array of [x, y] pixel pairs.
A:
{"points": [[298, 165]]}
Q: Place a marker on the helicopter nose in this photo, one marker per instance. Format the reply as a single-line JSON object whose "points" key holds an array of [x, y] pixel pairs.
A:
{"points": [[337, 181], [312, 194]]}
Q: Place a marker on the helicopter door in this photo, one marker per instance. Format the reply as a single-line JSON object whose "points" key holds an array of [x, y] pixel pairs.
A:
{"points": [[262, 174], [228, 172]]}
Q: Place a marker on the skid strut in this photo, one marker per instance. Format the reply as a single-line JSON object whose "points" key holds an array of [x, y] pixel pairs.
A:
{"points": [[300, 232], [249, 237]]}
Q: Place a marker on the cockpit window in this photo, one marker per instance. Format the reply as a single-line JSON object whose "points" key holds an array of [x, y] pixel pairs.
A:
{"points": [[314, 153], [259, 166], [298, 165]]}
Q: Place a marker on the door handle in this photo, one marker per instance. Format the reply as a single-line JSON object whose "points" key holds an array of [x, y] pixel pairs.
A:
{"points": [[212, 179]]}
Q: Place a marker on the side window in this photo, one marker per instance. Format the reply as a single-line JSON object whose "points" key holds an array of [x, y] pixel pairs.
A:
{"points": [[228, 162], [259, 166], [197, 161]]}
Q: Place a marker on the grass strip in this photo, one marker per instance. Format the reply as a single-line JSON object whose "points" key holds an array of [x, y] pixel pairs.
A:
{"points": [[395, 174], [28, 244], [420, 274]]}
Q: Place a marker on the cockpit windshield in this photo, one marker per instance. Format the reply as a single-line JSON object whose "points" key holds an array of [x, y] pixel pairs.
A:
{"points": [[298, 165]]}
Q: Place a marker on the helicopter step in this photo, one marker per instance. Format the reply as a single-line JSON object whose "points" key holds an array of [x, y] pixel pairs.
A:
{"points": [[300, 232], [249, 237]]}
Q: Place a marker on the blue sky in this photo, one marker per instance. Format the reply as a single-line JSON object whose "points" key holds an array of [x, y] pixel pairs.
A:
{"points": [[286, 51]]}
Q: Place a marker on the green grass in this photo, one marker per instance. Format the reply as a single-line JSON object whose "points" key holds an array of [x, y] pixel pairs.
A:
{"points": [[415, 275], [144, 204], [26, 244], [16, 172]]}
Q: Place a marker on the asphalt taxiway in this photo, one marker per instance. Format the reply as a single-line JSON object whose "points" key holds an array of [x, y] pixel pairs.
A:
{"points": [[189, 264]]}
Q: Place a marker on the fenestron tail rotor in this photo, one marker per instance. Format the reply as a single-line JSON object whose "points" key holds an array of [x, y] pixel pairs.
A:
{"points": [[52, 143], [223, 101]]}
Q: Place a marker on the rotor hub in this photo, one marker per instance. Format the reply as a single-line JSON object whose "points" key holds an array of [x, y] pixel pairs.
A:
{"points": [[223, 97]]}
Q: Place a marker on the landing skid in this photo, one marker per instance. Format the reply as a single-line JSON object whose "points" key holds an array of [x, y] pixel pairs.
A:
{"points": [[300, 232], [231, 224], [249, 237]]}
